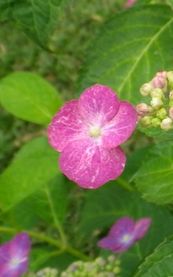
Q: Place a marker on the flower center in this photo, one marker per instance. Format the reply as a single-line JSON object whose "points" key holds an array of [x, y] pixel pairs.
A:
{"points": [[16, 261], [126, 238], [95, 131]]}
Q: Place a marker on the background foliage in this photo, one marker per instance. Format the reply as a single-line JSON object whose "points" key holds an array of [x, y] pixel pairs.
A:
{"points": [[65, 47]]}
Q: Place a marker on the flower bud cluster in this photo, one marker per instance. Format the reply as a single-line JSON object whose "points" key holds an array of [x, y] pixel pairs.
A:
{"points": [[46, 272], [157, 110], [101, 267]]}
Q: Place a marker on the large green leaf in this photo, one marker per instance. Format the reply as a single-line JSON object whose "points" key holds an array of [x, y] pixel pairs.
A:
{"points": [[159, 263], [29, 97], [33, 167], [104, 206], [154, 179], [38, 18], [130, 48], [50, 200]]}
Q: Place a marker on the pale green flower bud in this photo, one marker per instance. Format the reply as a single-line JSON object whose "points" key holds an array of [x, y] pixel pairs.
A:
{"points": [[166, 124], [157, 92], [146, 120], [156, 102], [170, 78], [155, 122], [143, 109], [162, 113], [146, 89], [171, 95], [117, 270], [171, 112]]}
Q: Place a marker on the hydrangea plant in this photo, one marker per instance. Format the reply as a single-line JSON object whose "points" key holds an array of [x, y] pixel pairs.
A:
{"points": [[105, 208]]}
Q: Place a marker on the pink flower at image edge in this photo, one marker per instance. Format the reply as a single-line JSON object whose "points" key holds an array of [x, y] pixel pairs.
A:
{"points": [[124, 233], [129, 3], [14, 256], [88, 131]]}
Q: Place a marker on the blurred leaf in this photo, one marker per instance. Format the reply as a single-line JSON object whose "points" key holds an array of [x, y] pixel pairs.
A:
{"points": [[42, 257], [38, 18], [159, 263], [53, 194], [104, 206], [155, 177], [130, 48], [29, 97], [33, 167]]}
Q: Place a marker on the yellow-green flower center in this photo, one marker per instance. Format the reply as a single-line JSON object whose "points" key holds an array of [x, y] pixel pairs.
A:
{"points": [[126, 238], [95, 131]]}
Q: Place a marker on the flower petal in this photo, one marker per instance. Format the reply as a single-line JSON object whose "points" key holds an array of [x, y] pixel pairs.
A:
{"points": [[106, 243], [98, 103], [120, 128], [122, 226], [120, 236], [89, 165], [16, 249], [66, 126], [141, 228]]}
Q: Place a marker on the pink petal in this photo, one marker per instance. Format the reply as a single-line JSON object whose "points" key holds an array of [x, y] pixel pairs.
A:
{"points": [[141, 228], [66, 126], [106, 243], [120, 128], [114, 241], [98, 102], [122, 226], [17, 248], [129, 3], [90, 165]]}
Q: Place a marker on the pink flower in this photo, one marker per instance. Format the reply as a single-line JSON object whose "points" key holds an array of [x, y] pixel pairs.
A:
{"points": [[129, 3], [88, 133], [14, 256], [124, 233]]}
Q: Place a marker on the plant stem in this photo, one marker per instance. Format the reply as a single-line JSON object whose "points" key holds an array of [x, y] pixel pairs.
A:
{"points": [[124, 184], [54, 242], [56, 219]]}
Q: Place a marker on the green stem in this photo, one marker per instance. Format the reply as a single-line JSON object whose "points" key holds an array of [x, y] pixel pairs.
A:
{"points": [[77, 253], [36, 235], [56, 219], [124, 184], [56, 243]]}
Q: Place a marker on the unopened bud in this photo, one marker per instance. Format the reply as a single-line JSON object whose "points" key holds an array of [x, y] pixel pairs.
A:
{"points": [[143, 109], [117, 270], [146, 120], [166, 123], [157, 92], [155, 122], [171, 95], [162, 113], [156, 102], [146, 89], [171, 112], [170, 79], [159, 81]]}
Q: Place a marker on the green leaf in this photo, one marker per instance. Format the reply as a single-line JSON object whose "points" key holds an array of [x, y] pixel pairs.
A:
{"points": [[130, 49], [155, 177], [51, 195], [104, 206], [42, 257], [33, 167], [159, 263], [29, 97], [37, 18]]}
